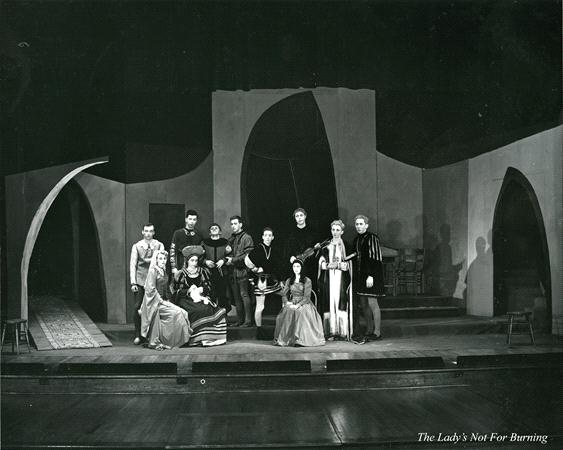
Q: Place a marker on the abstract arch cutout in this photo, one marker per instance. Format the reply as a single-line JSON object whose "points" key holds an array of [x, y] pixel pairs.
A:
{"points": [[288, 164], [35, 226]]}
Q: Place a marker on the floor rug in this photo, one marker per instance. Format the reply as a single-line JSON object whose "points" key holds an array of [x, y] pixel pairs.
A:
{"points": [[62, 325]]}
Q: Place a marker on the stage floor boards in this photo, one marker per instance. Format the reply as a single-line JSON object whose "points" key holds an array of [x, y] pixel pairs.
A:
{"points": [[332, 410], [447, 347], [366, 418]]}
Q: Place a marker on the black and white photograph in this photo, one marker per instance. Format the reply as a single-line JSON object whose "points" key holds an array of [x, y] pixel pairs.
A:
{"points": [[281, 224]]}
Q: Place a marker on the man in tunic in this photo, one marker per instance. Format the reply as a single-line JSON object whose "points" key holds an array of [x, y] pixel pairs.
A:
{"points": [[300, 239], [216, 250], [264, 262], [368, 282], [141, 255], [182, 238], [241, 244]]}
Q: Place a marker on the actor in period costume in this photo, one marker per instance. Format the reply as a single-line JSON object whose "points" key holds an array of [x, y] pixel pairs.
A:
{"points": [[242, 244], [298, 323], [300, 243], [335, 295], [368, 279], [163, 324], [141, 257], [216, 250], [194, 293], [263, 262], [182, 238]]}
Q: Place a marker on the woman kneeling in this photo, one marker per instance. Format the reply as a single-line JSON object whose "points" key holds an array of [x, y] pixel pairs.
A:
{"points": [[298, 323]]}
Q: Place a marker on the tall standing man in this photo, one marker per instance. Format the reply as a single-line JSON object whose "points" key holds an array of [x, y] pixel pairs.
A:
{"points": [[368, 283], [300, 239], [241, 244], [141, 255], [182, 238]]}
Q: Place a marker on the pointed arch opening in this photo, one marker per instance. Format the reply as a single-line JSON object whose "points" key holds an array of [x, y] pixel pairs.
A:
{"points": [[521, 268], [288, 164]]}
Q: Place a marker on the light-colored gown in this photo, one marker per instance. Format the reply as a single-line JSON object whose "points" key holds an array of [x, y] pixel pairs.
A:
{"points": [[302, 326], [162, 322]]}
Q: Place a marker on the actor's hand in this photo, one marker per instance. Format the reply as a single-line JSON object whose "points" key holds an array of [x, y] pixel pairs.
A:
{"points": [[209, 263], [229, 261], [220, 263], [317, 246], [228, 249], [134, 288], [369, 282], [177, 275], [333, 265], [260, 270]]}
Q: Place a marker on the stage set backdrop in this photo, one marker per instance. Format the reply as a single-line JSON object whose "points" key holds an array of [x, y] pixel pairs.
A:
{"points": [[275, 150]]}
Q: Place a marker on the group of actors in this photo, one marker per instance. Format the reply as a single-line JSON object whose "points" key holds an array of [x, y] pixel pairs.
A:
{"points": [[325, 286]]}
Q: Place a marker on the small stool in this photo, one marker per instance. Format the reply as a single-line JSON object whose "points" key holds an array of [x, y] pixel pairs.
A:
{"points": [[527, 315], [19, 326]]}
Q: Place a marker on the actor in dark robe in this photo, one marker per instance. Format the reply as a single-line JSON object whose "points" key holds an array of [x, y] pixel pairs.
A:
{"points": [[299, 245], [216, 250], [368, 279], [181, 239]]}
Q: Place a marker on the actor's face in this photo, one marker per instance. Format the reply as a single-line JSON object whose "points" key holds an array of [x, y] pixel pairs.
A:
{"points": [[336, 231], [148, 233], [267, 237], [215, 231], [190, 222], [236, 226], [161, 260], [361, 226], [192, 261], [296, 268], [300, 218]]}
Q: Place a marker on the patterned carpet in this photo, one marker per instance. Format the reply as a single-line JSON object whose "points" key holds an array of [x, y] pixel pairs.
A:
{"points": [[63, 325]]}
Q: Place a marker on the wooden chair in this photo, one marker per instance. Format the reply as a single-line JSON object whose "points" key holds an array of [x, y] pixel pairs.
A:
{"points": [[390, 266], [20, 328], [410, 273]]}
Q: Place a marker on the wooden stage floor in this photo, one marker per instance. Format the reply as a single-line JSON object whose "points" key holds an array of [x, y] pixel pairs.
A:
{"points": [[320, 409], [449, 347]]}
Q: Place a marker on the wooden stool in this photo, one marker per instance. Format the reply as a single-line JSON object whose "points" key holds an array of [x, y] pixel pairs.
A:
{"points": [[527, 315], [19, 326]]}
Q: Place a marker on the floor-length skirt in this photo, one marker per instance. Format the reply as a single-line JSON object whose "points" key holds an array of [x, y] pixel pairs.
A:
{"points": [[302, 326], [208, 322], [170, 326]]}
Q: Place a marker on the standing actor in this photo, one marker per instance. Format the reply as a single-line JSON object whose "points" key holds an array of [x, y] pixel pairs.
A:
{"points": [[141, 255], [216, 250], [264, 262], [368, 279], [241, 244], [182, 238], [300, 242]]}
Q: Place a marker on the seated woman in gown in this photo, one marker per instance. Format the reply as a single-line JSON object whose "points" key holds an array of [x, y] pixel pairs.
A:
{"points": [[163, 324], [298, 323], [194, 293], [335, 293]]}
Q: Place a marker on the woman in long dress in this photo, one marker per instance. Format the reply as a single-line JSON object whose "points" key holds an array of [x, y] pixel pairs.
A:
{"points": [[163, 324], [194, 293], [298, 323], [335, 293]]}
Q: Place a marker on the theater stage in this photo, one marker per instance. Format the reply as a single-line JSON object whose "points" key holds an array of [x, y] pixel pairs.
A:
{"points": [[250, 393]]}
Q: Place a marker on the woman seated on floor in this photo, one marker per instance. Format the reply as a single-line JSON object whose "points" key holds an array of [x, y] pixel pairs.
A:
{"points": [[163, 324], [194, 293], [298, 323]]}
